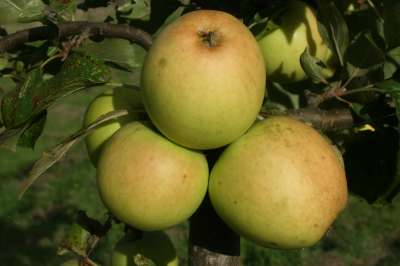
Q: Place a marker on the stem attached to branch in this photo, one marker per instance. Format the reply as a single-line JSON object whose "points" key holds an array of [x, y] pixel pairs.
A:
{"points": [[65, 29], [325, 120]]}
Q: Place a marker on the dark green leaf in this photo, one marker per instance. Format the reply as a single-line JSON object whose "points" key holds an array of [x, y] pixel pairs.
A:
{"points": [[391, 11], [17, 105], [336, 27], [36, 94], [313, 67], [392, 63], [363, 56], [48, 159], [33, 132], [174, 15], [393, 88]]}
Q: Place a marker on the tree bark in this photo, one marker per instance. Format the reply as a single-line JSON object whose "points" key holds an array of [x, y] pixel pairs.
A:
{"points": [[211, 242]]}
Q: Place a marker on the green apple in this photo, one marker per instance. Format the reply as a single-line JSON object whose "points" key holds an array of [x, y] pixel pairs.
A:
{"points": [[280, 185], [111, 100], [295, 30], [204, 80], [148, 182], [155, 247]]}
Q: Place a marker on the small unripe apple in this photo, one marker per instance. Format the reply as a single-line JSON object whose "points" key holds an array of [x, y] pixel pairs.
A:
{"points": [[297, 29], [155, 247], [204, 80], [280, 185], [148, 182], [112, 99]]}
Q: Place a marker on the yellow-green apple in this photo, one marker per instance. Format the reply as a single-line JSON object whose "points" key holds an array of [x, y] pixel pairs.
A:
{"points": [[111, 100], [204, 80], [155, 247], [294, 30], [149, 182], [280, 185]]}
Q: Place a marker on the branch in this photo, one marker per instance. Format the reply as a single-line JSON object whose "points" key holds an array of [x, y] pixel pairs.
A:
{"points": [[325, 120], [65, 29]]}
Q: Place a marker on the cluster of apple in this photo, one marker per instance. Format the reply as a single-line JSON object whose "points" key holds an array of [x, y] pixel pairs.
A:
{"points": [[277, 182]]}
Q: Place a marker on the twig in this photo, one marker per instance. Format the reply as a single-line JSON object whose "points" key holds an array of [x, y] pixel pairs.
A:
{"points": [[325, 120], [65, 29]]}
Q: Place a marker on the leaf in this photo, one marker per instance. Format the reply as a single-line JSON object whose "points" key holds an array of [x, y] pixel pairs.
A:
{"points": [[174, 15], [392, 87], [363, 56], [30, 135], [392, 63], [36, 94], [48, 159], [391, 11], [335, 26], [77, 240], [12, 11], [65, 10], [17, 106], [118, 51], [312, 66], [135, 10]]}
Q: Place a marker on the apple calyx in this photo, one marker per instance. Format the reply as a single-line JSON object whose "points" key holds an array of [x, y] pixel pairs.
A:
{"points": [[209, 37]]}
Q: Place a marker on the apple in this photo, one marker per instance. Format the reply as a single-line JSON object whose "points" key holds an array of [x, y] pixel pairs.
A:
{"points": [[148, 182], [111, 100], [153, 246], [295, 30], [280, 185], [204, 80]]}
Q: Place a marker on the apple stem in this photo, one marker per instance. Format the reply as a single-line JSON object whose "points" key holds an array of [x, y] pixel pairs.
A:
{"points": [[209, 38], [211, 242]]}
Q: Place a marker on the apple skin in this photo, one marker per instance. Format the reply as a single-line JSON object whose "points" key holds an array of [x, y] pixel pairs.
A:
{"points": [[280, 185], [283, 46], [110, 100], [204, 80], [148, 182], [154, 246]]}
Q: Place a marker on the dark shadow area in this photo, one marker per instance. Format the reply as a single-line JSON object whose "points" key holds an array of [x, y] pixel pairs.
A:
{"points": [[21, 245]]}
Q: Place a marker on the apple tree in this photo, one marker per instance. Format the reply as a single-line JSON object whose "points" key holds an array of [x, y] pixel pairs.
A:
{"points": [[319, 79]]}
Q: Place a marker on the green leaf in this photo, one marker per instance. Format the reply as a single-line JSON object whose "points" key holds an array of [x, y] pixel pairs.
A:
{"points": [[48, 159], [135, 10], [12, 11], [65, 10], [21, 108], [121, 52], [392, 63], [174, 15], [35, 95], [313, 67], [30, 135], [77, 240], [335, 26], [392, 87], [391, 11], [363, 56], [17, 106]]}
